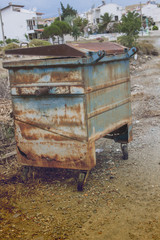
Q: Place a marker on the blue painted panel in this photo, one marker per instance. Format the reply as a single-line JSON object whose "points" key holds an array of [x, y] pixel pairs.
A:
{"points": [[62, 114], [105, 72], [45, 75], [109, 120], [107, 96]]}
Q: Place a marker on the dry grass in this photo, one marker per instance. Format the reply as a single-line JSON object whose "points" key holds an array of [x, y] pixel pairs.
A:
{"points": [[99, 39], [145, 47]]}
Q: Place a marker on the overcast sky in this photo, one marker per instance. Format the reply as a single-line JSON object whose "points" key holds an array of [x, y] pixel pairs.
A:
{"points": [[50, 7]]}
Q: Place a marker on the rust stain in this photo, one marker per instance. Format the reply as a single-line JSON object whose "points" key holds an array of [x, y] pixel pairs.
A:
{"points": [[72, 116], [72, 76], [28, 77], [30, 132], [75, 159]]}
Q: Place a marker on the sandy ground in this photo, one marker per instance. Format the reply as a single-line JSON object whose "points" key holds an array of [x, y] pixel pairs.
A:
{"points": [[121, 200]]}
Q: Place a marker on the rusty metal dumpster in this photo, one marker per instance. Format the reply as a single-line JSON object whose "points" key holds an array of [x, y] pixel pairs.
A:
{"points": [[63, 103]]}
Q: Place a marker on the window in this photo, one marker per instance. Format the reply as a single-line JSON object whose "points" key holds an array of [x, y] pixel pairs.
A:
{"points": [[31, 24], [97, 20], [116, 18], [16, 9]]}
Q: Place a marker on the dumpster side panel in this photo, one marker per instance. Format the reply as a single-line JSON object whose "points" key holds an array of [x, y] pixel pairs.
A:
{"points": [[108, 121], [101, 75], [39, 75], [39, 147], [108, 97], [62, 114]]}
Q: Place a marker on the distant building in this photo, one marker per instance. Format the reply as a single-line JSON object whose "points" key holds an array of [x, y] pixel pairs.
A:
{"points": [[48, 21], [152, 10], [94, 14], [149, 10], [18, 21]]}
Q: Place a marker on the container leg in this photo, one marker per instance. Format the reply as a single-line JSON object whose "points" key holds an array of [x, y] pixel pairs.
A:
{"points": [[82, 178], [24, 173], [124, 148]]}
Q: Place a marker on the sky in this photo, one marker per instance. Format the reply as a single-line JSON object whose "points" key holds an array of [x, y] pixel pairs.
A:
{"points": [[50, 7]]}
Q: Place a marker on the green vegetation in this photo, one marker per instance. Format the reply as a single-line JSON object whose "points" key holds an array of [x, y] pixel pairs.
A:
{"points": [[38, 43], [78, 27], [130, 25], [76, 32], [11, 46], [155, 28], [58, 28], [68, 11], [105, 20], [81, 23], [9, 40]]}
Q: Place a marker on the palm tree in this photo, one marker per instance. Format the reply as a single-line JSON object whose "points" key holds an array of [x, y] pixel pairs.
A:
{"points": [[105, 20]]}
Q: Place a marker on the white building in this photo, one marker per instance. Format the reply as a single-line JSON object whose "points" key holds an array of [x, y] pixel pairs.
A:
{"points": [[18, 21], [152, 10], [94, 14]]}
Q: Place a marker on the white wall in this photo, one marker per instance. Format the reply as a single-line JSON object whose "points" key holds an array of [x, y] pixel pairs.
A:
{"points": [[112, 9], [15, 23], [151, 10]]}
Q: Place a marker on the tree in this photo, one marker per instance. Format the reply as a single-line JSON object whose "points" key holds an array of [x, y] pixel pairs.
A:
{"points": [[68, 11], [75, 32], [58, 28], [105, 20], [130, 25], [64, 27], [69, 20], [52, 31], [81, 23]]}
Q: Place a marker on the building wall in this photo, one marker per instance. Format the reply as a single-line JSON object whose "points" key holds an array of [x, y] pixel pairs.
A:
{"points": [[112, 9], [94, 14], [15, 23], [151, 10]]}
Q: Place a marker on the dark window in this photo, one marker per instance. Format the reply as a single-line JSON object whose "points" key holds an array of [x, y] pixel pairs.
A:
{"points": [[97, 20], [116, 18]]}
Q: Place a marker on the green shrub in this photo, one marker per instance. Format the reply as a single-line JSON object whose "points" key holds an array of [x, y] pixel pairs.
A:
{"points": [[11, 46], [39, 43], [9, 40], [155, 28], [127, 41]]}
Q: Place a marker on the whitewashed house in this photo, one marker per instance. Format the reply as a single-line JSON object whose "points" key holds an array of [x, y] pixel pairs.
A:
{"points": [[94, 14], [18, 21], [152, 10]]}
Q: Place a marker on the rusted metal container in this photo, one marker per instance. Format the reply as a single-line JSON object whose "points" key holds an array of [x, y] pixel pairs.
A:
{"points": [[62, 105]]}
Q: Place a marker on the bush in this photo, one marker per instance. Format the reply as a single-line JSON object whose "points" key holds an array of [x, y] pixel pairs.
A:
{"points": [[155, 28], [39, 43], [127, 41], [9, 40], [11, 46], [145, 47]]}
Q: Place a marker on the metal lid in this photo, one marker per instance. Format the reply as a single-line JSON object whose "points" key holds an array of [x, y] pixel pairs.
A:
{"points": [[70, 49]]}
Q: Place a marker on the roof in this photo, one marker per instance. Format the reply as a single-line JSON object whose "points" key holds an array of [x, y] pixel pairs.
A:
{"points": [[39, 30], [13, 5], [49, 19], [38, 13], [133, 7]]}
